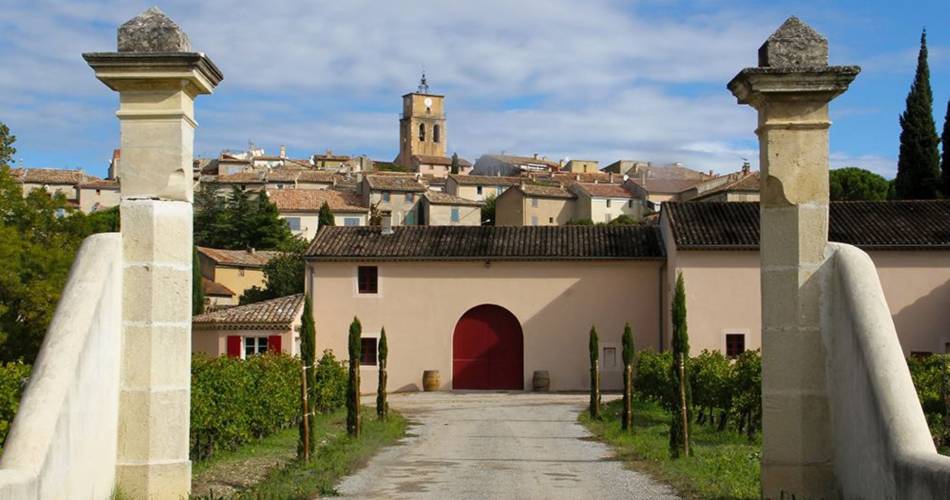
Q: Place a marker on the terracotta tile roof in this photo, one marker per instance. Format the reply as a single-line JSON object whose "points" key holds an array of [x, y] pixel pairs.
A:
{"points": [[440, 160], [544, 191], [744, 183], [603, 190], [316, 176], [487, 243], [280, 312], [525, 160], [440, 198], [241, 178], [239, 258], [310, 200], [589, 177], [215, 288], [665, 186], [394, 183], [871, 225], [53, 176], [100, 184], [485, 180]]}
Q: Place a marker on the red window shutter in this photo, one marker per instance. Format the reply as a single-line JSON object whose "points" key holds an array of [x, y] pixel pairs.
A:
{"points": [[234, 346], [273, 343]]}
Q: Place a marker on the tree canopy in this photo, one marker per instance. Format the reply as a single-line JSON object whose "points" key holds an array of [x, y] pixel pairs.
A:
{"points": [[918, 167], [283, 275], [857, 184], [237, 222], [945, 159]]}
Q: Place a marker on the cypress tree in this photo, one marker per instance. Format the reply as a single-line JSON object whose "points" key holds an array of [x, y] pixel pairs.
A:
{"points": [[594, 348], [353, 385], [382, 407], [308, 355], [945, 160], [197, 291], [679, 425], [918, 166], [455, 163], [325, 217], [628, 356]]}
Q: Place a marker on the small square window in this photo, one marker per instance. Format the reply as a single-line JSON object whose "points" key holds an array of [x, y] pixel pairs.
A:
{"points": [[240, 271], [735, 344], [386, 196], [478, 190], [550, 220], [455, 214], [610, 358], [608, 203], [410, 197], [534, 202], [351, 221], [534, 220], [368, 279], [630, 204], [293, 223], [254, 345], [367, 351]]}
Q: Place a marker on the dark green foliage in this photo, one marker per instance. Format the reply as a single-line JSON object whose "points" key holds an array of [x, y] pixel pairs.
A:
{"points": [[931, 375], [629, 353], [488, 211], [325, 217], [39, 237], [580, 222], [238, 222], [455, 163], [283, 275], [680, 384], [945, 159], [385, 166], [622, 220], [6, 145], [234, 401], [712, 383], [353, 385], [197, 291], [308, 340], [13, 379], [331, 382], [382, 352], [653, 377], [857, 184], [594, 348], [747, 398], [918, 165]]}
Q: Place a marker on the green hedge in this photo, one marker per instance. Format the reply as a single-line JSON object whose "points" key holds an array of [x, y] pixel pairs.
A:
{"points": [[13, 379], [931, 376], [234, 401], [331, 383], [724, 391]]}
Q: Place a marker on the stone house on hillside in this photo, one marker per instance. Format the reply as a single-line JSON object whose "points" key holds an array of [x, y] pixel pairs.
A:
{"points": [[535, 205], [237, 270], [510, 165], [97, 195], [442, 209], [397, 194], [242, 331], [605, 202], [300, 208], [479, 187]]}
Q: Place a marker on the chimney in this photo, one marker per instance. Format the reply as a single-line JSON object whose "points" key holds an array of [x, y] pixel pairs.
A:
{"points": [[746, 168], [711, 173], [610, 177], [386, 219], [251, 250], [283, 151], [536, 156]]}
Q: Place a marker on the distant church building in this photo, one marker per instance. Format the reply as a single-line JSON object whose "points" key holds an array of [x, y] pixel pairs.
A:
{"points": [[422, 134]]}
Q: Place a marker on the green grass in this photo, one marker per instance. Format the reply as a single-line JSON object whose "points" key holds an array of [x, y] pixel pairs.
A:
{"points": [[276, 446], [336, 456], [723, 465]]}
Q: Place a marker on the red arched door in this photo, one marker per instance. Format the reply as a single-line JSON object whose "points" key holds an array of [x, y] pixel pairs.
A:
{"points": [[488, 350]]}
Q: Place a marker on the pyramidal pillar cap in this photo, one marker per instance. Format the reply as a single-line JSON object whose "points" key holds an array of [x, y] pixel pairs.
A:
{"points": [[793, 44], [152, 31]]}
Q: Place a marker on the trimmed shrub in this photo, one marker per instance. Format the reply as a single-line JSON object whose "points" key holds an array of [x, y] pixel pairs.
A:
{"points": [[234, 401], [13, 379], [331, 380], [931, 375], [652, 379]]}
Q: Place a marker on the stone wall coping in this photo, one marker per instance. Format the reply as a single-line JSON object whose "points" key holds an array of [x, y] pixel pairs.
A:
{"points": [[128, 64], [800, 80]]}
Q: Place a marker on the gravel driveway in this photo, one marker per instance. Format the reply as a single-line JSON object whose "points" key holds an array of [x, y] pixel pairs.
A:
{"points": [[497, 445]]}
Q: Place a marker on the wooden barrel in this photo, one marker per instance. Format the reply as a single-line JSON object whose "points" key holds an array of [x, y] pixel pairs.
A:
{"points": [[541, 381], [430, 380]]}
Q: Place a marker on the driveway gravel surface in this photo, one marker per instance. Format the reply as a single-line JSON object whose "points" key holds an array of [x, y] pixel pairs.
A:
{"points": [[497, 445]]}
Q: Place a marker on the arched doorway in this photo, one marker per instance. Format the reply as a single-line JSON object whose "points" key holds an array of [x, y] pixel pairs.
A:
{"points": [[488, 350]]}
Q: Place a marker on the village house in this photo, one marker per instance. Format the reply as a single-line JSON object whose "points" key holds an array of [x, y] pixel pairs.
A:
{"points": [[242, 331], [330, 161], [217, 296], [443, 209], [656, 191], [581, 166], [438, 166], [237, 270], [51, 180], [909, 242], [487, 306], [510, 165], [604, 202], [300, 208], [479, 187], [97, 194], [397, 194], [535, 205]]}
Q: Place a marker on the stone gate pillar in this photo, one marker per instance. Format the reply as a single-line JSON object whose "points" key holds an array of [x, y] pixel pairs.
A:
{"points": [[791, 89], [157, 77]]}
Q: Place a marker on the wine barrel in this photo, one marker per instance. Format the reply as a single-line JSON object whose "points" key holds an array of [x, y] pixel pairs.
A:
{"points": [[541, 381], [430, 380]]}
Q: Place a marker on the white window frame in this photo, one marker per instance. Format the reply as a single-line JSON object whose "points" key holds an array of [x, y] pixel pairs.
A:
{"points": [[356, 221], [371, 335], [734, 331], [356, 281], [290, 226], [618, 367], [455, 215], [256, 345]]}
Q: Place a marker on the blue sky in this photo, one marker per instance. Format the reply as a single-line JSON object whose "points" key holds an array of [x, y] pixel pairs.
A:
{"points": [[602, 80]]}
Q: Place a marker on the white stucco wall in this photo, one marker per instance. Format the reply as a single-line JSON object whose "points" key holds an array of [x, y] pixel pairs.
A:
{"points": [[63, 440]]}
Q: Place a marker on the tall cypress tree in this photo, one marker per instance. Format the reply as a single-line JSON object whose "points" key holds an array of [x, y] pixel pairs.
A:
{"points": [[628, 356], [382, 351], [679, 376], [918, 166], [197, 291], [308, 354], [325, 217], [594, 347], [353, 385], [455, 163], [945, 160]]}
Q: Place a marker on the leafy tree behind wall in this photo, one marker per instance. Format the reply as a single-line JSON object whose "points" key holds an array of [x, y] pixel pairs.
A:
{"points": [[488, 211], [918, 167], [325, 217], [283, 275], [857, 184], [238, 222]]}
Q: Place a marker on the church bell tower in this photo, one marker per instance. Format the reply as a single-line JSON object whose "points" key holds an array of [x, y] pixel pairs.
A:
{"points": [[422, 125]]}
